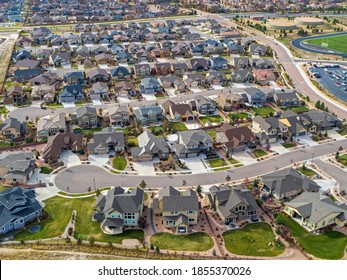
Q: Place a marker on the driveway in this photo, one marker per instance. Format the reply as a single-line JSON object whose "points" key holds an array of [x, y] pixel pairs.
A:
{"points": [[307, 140], [334, 135], [217, 87], [68, 104], [97, 102], [149, 97], [244, 158], [99, 160], [69, 158], [145, 168], [278, 148], [170, 92], [196, 164]]}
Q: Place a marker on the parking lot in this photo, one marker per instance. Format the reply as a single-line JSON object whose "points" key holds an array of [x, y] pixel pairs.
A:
{"points": [[333, 78]]}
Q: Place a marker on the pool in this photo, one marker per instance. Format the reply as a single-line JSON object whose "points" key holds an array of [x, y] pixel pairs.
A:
{"points": [[34, 228]]}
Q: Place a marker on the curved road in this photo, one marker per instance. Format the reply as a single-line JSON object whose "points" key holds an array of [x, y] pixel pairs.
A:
{"points": [[79, 178]]}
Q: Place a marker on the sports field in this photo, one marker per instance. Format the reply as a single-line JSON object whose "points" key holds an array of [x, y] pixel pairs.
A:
{"points": [[335, 43]]}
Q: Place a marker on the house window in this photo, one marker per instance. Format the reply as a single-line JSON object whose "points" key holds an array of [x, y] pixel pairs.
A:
{"points": [[128, 216], [191, 220], [170, 223], [190, 212]]}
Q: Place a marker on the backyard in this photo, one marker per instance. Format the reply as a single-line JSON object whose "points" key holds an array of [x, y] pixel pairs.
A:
{"points": [[238, 116], [330, 245], [90, 131], [297, 109], [198, 241], [119, 163], [59, 211], [253, 240], [264, 111], [211, 119]]}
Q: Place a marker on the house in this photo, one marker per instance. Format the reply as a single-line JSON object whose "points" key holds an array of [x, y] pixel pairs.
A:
{"points": [[192, 143], [287, 98], [71, 93], [61, 142], [26, 75], [99, 91], [287, 183], [321, 119], [257, 49], [125, 89], [241, 62], [229, 101], [235, 49], [60, 59], [235, 139], [194, 80], [149, 86], [118, 209], [232, 204], [198, 64], [162, 68], [203, 105], [254, 97], [12, 130], [262, 63], [17, 167], [178, 111], [218, 63], [148, 115], [264, 76], [119, 116], [315, 210], [86, 117], [16, 95], [142, 70], [104, 58], [179, 68], [120, 73], [150, 147], [27, 64], [44, 92], [143, 56], [172, 81], [216, 78], [297, 126], [43, 54], [179, 210], [51, 125], [242, 76], [18, 208], [74, 78], [106, 141], [191, 37], [268, 130], [97, 75]]}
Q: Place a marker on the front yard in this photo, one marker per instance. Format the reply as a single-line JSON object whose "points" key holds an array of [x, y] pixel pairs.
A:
{"points": [[198, 241], [211, 119], [219, 162], [289, 145], [264, 111], [306, 171], [330, 245], [59, 211], [253, 240], [119, 163], [259, 153], [46, 170]]}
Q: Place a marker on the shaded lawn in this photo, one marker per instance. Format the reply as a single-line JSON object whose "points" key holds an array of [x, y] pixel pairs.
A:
{"points": [[253, 240], [198, 241], [60, 209], [211, 119], [3, 110], [119, 163], [46, 170], [330, 245]]}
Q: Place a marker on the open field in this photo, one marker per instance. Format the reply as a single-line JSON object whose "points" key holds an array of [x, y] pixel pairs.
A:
{"points": [[6, 49], [336, 43]]}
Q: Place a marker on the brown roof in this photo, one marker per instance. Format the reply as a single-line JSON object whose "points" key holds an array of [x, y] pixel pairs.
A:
{"points": [[237, 135], [181, 109]]}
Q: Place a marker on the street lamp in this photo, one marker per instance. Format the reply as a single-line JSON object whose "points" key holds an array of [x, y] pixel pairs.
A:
{"points": [[94, 184], [312, 157]]}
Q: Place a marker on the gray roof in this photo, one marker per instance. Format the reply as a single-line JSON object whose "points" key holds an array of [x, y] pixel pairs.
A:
{"points": [[174, 201], [107, 136], [11, 123], [85, 110], [149, 143], [287, 180], [45, 123]]}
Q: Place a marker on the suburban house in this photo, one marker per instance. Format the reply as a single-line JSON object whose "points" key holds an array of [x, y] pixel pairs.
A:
{"points": [[150, 146], [73, 78], [61, 142], [268, 130], [287, 98], [97, 75], [321, 119], [218, 63], [118, 209], [149, 86], [242, 76], [241, 62], [263, 76], [254, 97], [198, 64], [71, 93], [192, 143], [229, 101], [106, 141], [120, 73], [51, 125], [86, 117], [287, 183], [99, 91], [142, 70], [172, 81], [125, 89], [18, 207], [262, 63], [16, 167], [216, 78], [148, 115], [194, 80], [235, 139], [316, 210], [180, 112], [232, 204], [119, 116], [178, 210], [12, 130], [16, 95], [257, 49], [203, 105], [297, 126], [59, 59]]}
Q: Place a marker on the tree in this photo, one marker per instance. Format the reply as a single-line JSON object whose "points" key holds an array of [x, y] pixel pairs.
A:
{"points": [[89, 189], [227, 178], [26, 117], [143, 184], [337, 155], [151, 246], [255, 183], [198, 189], [157, 250], [97, 192], [100, 112], [214, 253]]}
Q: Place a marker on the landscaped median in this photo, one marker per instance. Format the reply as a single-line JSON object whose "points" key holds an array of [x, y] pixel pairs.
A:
{"points": [[256, 240], [330, 245], [59, 211], [198, 241]]}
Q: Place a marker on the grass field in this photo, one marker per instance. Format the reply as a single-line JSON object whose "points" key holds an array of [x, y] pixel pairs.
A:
{"points": [[198, 241], [330, 245], [335, 43], [253, 240], [60, 209], [119, 163]]}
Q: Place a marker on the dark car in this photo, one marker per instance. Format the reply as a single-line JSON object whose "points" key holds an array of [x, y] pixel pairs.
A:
{"points": [[254, 219]]}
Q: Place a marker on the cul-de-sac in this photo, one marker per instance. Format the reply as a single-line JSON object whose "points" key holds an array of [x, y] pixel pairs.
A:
{"points": [[173, 129]]}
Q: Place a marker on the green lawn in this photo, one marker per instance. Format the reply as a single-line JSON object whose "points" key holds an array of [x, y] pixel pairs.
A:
{"points": [[335, 43], [264, 111], [3, 110], [253, 240], [46, 170], [198, 241], [233, 161], [4, 144], [60, 209], [2, 187], [90, 131], [211, 119], [307, 172], [119, 163], [212, 134], [330, 245], [133, 141], [238, 116], [343, 130], [297, 109], [218, 162], [54, 105], [157, 129], [179, 126], [289, 145], [259, 153], [342, 159]]}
